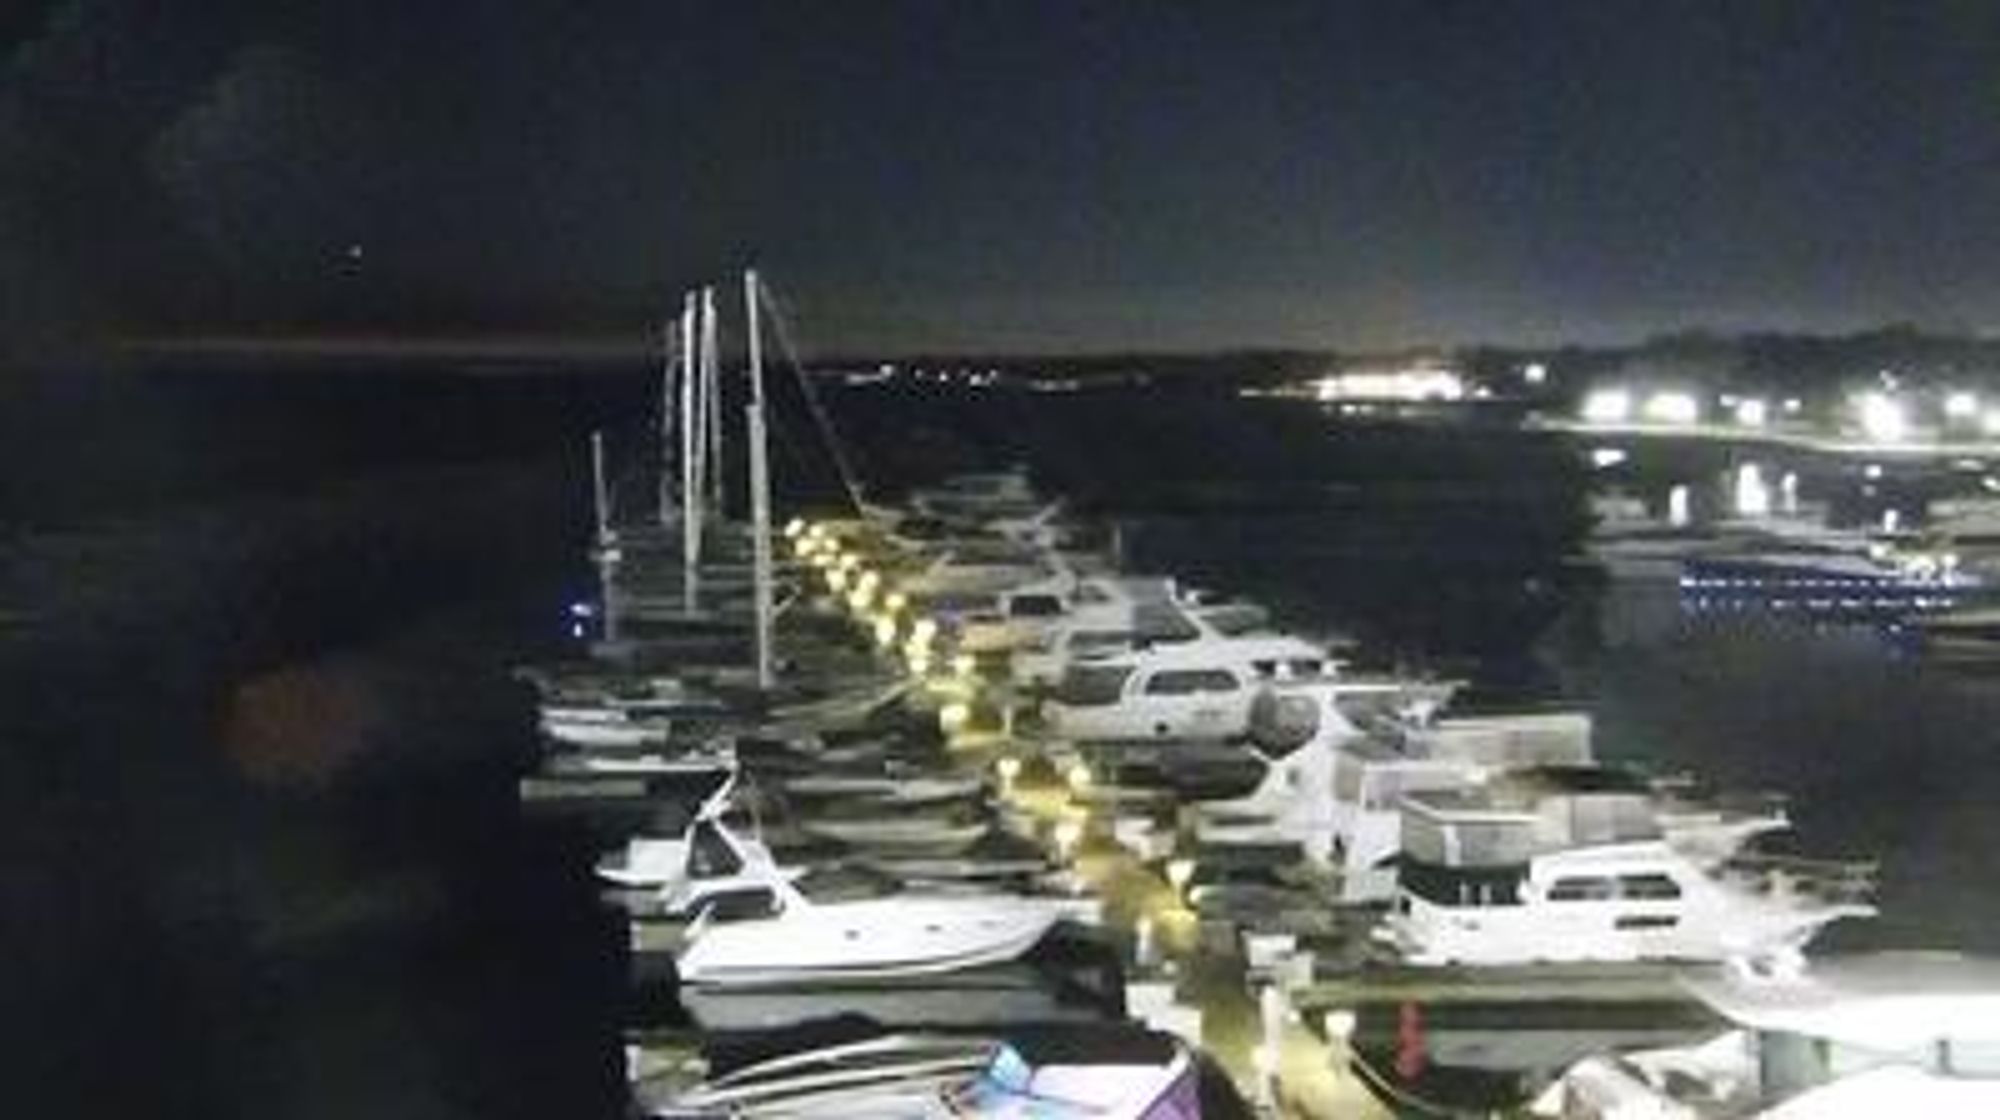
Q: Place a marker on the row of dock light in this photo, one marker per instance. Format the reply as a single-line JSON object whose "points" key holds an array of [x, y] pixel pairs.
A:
{"points": [[884, 612]]}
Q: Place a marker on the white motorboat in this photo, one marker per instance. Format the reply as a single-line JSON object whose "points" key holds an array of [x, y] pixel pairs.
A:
{"points": [[979, 496], [767, 932], [1134, 612], [1066, 1074], [890, 828], [654, 760], [887, 791], [1567, 864], [1200, 688], [1341, 752], [616, 720], [1875, 1035]]}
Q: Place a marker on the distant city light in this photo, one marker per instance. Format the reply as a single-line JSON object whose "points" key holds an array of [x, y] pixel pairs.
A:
{"points": [[1602, 457], [1882, 416], [1399, 385], [1990, 422], [1753, 497], [1535, 373], [1793, 404], [1752, 412], [1679, 507], [1961, 405], [1872, 471], [1607, 406], [1673, 408]]}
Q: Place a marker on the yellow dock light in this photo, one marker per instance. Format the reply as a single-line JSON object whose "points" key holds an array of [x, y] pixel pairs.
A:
{"points": [[795, 528], [922, 631], [858, 599], [1339, 1024], [1068, 834], [836, 579], [896, 601], [1009, 769], [920, 663], [963, 664], [954, 715], [1180, 872], [885, 631], [1078, 777]]}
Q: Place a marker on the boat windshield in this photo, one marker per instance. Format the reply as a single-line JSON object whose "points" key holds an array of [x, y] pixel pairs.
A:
{"points": [[1088, 686], [1236, 619], [710, 854]]}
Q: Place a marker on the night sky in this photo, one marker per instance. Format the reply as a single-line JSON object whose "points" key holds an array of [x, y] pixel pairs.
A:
{"points": [[1010, 176]]}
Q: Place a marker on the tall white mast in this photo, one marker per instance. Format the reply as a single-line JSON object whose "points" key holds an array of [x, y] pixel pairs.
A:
{"points": [[600, 490], [690, 433], [711, 372], [607, 554], [670, 344], [760, 487]]}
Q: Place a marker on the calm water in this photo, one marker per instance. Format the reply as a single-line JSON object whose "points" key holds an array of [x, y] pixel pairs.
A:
{"points": [[263, 851]]}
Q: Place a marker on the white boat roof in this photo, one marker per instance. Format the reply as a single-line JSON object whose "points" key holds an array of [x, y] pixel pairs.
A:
{"points": [[1888, 1000], [1519, 794], [1208, 651], [1893, 1090]]}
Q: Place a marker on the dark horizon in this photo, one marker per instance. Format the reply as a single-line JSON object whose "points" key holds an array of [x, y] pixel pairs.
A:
{"points": [[977, 177]]}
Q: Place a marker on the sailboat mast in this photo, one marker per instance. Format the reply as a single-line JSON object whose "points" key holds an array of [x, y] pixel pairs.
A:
{"points": [[670, 343], [760, 487], [600, 490], [690, 432], [712, 383], [607, 555]]}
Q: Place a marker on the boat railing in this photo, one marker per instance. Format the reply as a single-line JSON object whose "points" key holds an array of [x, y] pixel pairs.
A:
{"points": [[1821, 880]]}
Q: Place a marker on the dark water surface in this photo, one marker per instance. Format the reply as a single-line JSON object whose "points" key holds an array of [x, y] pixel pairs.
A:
{"points": [[262, 853]]}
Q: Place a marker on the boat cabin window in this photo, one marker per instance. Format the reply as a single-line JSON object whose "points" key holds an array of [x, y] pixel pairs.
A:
{"points": [[1186, 682], [1034, 606], [1583, 888], [1290, 668], [710, 854], [1086, 686], [1091, 641], [1653, 886], [745, 904], [1461, 886]]}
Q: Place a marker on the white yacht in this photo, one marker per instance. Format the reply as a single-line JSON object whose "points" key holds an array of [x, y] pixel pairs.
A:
{"points": [[625, 718], [1201, 688], [1876, 1035], [1567, 864], [1341, 753], [1103, 615], [979, 495], [767, 932], [1052, 1074]]}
